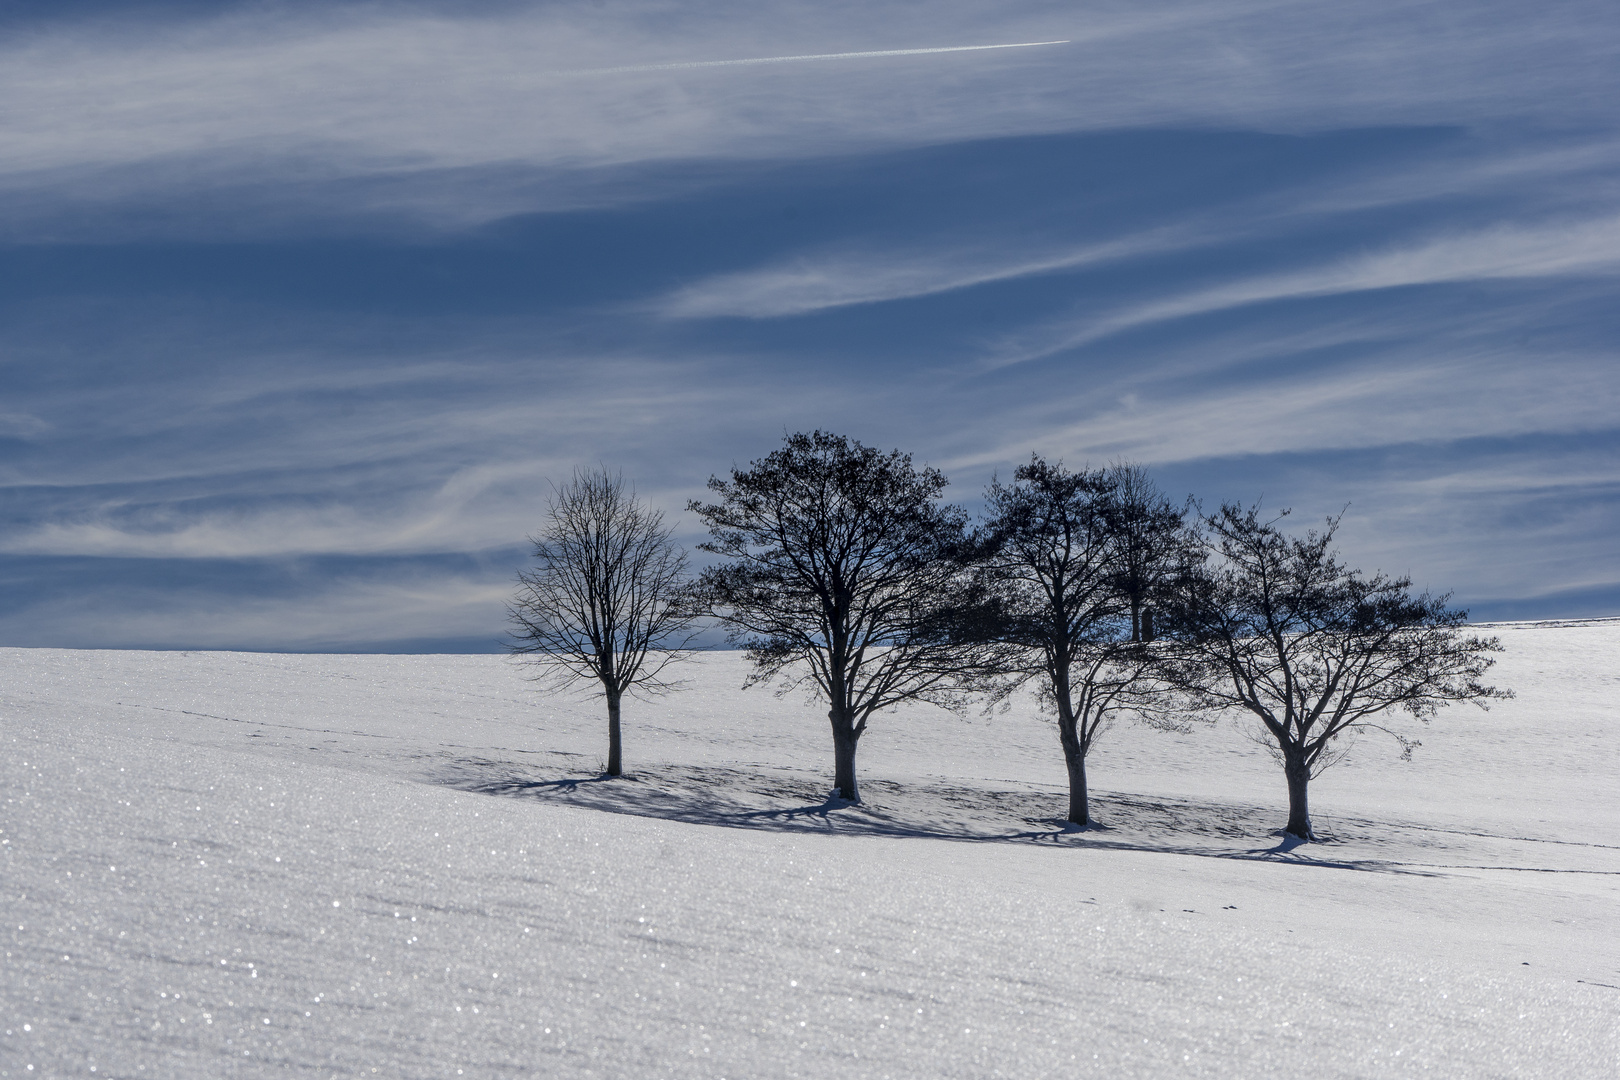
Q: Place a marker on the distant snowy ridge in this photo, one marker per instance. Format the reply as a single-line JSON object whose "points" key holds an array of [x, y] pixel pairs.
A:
{"points": [[1543, 624]]}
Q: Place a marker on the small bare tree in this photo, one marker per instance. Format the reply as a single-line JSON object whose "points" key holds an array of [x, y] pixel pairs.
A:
{"points": [[609, 598]]}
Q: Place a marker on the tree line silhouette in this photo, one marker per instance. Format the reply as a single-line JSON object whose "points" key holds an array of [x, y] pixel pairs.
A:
{"points": [[840, 569]]}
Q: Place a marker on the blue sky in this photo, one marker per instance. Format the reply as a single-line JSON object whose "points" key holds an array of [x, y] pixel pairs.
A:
{"points": [[302, 305]]}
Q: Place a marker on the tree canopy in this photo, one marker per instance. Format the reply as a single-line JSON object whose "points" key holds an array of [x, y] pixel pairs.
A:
{"points": [[841, 571], [1278, 627]]}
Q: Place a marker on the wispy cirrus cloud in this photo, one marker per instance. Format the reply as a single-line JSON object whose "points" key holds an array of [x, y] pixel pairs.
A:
{"points": [[1471, 392], [354, 89], [363, 609], [302, 304], [312, 101], [313, 447], [817, 282], [1529, 182], [1508, 251], [489, 505]]}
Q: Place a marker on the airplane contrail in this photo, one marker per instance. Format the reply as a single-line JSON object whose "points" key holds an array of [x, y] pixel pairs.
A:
{"points": [[809, 56]]}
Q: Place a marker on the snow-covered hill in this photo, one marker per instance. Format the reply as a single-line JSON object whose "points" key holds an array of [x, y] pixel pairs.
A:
{"points": [[218, 864]]}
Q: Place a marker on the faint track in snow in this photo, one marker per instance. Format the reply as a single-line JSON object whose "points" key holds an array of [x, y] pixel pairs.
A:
{"points": [[256, 723], [1522, 869], [1490, 836]]}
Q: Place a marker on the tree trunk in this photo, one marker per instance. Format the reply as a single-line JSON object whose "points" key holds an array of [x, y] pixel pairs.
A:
{"points": [[614, 762], [1074, 757], [1079, 805], [1299, 808], [844, 740]]}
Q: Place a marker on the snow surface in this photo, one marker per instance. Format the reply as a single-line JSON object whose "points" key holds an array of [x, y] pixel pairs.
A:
{"points": [[227, 864]]}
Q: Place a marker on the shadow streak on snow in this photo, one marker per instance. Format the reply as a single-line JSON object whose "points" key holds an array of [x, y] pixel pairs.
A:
{"points": [[781, 801]]}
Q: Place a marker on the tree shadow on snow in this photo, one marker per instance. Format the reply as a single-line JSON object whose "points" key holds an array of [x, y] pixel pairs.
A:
{"points": [[779, 800]]}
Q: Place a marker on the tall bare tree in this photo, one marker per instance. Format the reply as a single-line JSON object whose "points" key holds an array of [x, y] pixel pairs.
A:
{"points": [[1279, 628], [841, 572], [608, 599], [1055, 547]]}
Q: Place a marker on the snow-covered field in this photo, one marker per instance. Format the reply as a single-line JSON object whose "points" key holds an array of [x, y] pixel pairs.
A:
{"points": [[227, 864]]}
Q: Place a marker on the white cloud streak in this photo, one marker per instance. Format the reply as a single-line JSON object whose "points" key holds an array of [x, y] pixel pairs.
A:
{"points": [[307, 100], [821, 280], [259, 460], [817, 282], [456, 517], [1579, 248], [691, 65], [1434, 395], [413, 603]]}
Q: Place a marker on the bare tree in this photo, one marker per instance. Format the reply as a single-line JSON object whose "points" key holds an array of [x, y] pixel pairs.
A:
{"points": [[1055, 546], [841, 573], [1280, 628], [1148, 536], [609, 597]]}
